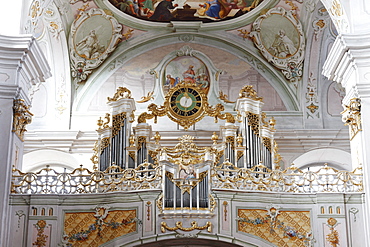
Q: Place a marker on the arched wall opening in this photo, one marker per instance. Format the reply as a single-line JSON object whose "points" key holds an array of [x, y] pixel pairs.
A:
{"points": [[336, 158]]}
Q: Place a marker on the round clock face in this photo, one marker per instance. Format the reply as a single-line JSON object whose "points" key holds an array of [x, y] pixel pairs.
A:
{"points": [[186, 102]]}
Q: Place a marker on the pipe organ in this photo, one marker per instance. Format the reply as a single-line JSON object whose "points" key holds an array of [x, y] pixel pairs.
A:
{"points": [[245, 141]]}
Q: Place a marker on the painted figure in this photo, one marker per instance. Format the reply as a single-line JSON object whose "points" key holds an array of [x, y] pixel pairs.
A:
{"points": [[170, 81], [89, 46], [189, 75], [202, 81], [162, 11], [213, 9], [127, 6], [282, 45]]}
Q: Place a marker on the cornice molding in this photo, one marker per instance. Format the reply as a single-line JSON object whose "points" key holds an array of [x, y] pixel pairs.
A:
{"points": [[350, 53], [23, 55], [8, 91]]}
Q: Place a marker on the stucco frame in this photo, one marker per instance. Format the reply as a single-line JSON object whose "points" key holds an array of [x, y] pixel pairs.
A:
{"points": [[82, 66], [291, 66]]}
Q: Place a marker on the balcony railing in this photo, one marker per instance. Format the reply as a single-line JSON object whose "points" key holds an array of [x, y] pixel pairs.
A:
{"points": [[81, 180], [224, 177], [292, 179]]}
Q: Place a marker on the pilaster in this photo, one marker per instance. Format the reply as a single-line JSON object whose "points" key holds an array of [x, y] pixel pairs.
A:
{"points": [[22, 65], [348, 63]]}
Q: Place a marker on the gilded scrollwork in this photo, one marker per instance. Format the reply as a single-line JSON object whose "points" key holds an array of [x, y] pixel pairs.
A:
{"points": [[267, 143], [261, 178], [244, 33], [277, 156], [186, 152], [121, 93], [118, 122], [146, 98], [104, 143], [128, 34], [178, 226], [231, 141], [248, 92], [21, 117], [254, 122], [186, 120], [224, 97], [226, 175], [351, 116], [95, 158], [159, 203], [104, 125], [213, 202]]}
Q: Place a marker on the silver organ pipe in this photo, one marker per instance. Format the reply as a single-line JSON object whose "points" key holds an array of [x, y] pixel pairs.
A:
{"points": [[244, 146], [119, 140], [104, 155], [114, 132]]}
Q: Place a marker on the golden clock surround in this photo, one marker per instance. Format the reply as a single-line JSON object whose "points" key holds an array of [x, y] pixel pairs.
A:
{"points": [[187, 120], [181, 113]]}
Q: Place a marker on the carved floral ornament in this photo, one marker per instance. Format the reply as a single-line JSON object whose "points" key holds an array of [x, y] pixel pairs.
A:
{"points": [[333, 236], [279, 37], [351, 116], [42, 238], [94, 35], [21, 117]]}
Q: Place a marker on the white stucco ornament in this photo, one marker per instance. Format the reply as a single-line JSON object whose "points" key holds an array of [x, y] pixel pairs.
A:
{"points": [[279, 37], [94, 35]]}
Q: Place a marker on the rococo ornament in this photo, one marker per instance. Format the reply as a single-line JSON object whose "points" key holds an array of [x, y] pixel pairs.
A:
{"points": [[94, 35], [21, 117], [186, 104], [194, 226], [351, 116], [280, 38]]}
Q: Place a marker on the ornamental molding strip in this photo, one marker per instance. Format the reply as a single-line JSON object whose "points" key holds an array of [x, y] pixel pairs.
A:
{"points": [[282, 45]]}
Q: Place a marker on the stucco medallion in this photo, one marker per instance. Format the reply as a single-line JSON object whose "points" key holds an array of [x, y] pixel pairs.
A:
{"points": [[94, 35], [280, 39]]}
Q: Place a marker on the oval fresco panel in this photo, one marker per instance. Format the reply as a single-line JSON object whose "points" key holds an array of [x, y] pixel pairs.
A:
{"points": [[283, 42], [188, 69], [91, 37], [183, 10]]}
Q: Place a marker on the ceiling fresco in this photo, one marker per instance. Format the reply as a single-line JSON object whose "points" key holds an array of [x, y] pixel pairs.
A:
{"points": [[235, 73], [185, 10]]}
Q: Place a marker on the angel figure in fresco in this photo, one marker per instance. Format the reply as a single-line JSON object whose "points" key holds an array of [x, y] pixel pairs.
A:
{"points": [[282, 45], [89, 46], [189, 75]]}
